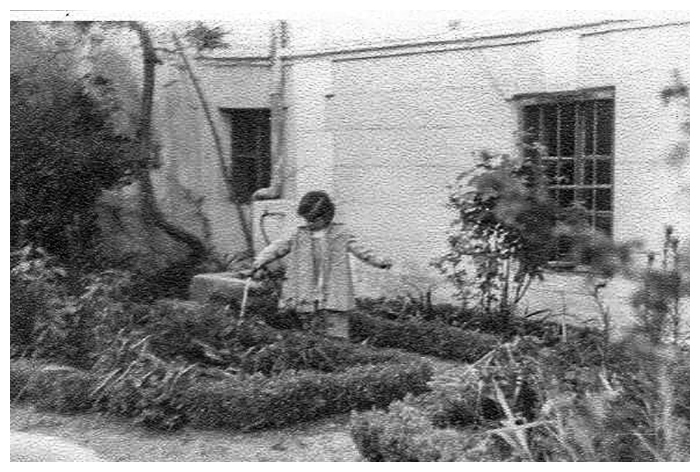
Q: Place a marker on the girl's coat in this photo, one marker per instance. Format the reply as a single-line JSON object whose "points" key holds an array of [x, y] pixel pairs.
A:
{"points": [[300, 290]]}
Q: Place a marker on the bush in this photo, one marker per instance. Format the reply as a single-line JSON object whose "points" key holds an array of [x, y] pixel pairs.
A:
{"points": [[64, 316], [34, 289], [209, 335], [541, 404], [260, 402], [504, 233], [20, 372], [303, 351], [170, 396], [470, 319], [64, 149], [51, 387], [405, 434], [432, 338]]}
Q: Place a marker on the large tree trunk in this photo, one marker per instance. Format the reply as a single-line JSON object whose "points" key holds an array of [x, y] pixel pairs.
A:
{"points": [[149, 206]]}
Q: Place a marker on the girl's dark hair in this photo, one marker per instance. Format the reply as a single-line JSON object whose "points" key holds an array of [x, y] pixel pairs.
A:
{"points": [[316, 204]]}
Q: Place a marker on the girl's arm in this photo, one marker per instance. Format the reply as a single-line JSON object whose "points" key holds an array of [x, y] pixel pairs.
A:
{"points": [[274, 251], [367, 255]]}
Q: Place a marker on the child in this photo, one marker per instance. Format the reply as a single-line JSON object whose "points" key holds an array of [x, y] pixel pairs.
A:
{"points": [[318, 279]]}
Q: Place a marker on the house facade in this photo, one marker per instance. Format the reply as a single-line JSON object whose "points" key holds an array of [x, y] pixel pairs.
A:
{"points": [[385, 127]]}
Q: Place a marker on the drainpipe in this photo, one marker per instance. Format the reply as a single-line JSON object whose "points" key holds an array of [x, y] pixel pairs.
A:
{"points": [[278, 41]]}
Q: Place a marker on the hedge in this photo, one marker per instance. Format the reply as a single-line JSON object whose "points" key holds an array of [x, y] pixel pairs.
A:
{"points": [[431, 338], [307, 351], [51, 387], [248, 403], [261, 402], [405, 434]]}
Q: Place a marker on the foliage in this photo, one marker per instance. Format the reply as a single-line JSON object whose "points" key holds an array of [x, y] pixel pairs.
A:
{"points": [[405, 434], [657, 301], [167, 395], [504, 234], [432, 338], [203, 37], [63, 151], [210, 335], [34, 290], [70, 316], [49, 386], [261, 402], [138, 384], [471, 319], [634, 409]]}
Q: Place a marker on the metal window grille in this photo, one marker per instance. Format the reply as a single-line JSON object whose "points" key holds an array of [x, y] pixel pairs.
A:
{"points": [[577, 133]]}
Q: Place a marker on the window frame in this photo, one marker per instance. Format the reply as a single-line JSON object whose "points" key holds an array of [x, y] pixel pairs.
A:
{"points": [[579, 156], [258, 180]]}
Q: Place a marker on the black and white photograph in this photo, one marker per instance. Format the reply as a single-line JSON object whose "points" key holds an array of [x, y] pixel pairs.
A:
{"points": [[389, 236]]}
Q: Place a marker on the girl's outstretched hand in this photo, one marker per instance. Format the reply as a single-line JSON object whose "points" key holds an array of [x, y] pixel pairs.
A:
{"points": [[255, 274]]}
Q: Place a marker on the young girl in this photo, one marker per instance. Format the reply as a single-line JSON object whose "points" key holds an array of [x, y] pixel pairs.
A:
{"points": [[318, 279]]}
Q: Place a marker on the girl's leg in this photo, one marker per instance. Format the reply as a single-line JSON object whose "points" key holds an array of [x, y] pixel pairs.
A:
{"points": [[317, 320], [337, 324]]}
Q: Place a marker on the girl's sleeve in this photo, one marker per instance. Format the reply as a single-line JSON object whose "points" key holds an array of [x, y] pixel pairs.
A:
{"points": [[366, 255], [274, 251]]}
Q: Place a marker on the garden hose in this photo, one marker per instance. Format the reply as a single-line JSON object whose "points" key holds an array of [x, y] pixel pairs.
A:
{"points": [[244, 302]]}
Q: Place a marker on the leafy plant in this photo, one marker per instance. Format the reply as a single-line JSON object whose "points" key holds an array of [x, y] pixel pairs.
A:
{"points": [[64, 149], [504, 234], [68, 327], [136, 383], [657, 301], [432, 338], [405, 434], [34, 291]]}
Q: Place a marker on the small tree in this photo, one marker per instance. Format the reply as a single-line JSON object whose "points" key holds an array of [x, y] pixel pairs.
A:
{"points": [[504, 234]]}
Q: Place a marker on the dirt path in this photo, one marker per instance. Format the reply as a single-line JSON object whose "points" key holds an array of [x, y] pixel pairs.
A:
{"points": [[115, 439]]}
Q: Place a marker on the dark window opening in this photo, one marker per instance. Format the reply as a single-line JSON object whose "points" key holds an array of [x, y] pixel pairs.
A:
{"points": [[250, 151], [577, 134]]}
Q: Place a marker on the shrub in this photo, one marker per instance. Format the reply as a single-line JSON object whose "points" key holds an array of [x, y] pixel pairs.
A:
{"points": [[470, 319], [34, 289], [64, 316], [64, 149], [432, 338], [405, 434], [51, 387], [260, 402], [171, 396], [151, 394], [21, 371], [209, 335], [303, 351], [635, 408], [504, 230]]}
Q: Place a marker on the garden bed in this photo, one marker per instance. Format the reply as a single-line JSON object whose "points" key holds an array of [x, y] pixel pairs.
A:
{"points": [[284, 378], [527, 402]]}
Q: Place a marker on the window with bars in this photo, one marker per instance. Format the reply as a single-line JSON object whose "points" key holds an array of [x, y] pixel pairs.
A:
{"points": [[576, 132], [250, 150]]}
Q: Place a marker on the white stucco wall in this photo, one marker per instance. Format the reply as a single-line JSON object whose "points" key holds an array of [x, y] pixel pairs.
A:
{"points": [[189, 152], [385, 132], [404, 126]]}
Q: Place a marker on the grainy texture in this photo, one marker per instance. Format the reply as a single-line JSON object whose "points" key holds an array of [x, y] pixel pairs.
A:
{"points": [[117, 440]]}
